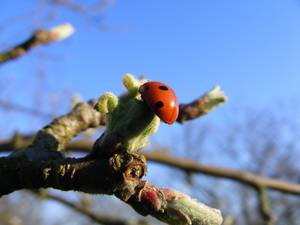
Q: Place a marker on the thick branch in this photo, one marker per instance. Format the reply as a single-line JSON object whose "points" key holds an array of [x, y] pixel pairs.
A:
{"points": [[179, 163], [246, 178], [102, 176], [106, 176], [40, 37]]}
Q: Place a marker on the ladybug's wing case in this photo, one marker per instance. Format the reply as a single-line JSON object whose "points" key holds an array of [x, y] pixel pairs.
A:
{"points": [[161, 99]]}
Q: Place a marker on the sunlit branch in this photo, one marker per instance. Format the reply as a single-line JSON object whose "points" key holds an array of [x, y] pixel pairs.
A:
{"points": [[202, 105], [39, 37]]}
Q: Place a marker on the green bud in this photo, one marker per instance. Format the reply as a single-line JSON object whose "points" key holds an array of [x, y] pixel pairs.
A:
{"points": [[129, 117]]}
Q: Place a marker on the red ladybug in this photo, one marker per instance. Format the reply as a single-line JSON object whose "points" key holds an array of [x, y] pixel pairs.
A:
{"points": [[161, 99]]}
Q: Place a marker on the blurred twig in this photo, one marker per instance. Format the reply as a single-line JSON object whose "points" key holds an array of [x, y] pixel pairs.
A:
{"points": [[264, 206], [6, 105], [247, 178], [39, 37], [95, 217], [99, 6]]}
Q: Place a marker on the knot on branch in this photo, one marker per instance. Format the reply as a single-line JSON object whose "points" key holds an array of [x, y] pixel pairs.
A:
{"points": [[133, 168]]}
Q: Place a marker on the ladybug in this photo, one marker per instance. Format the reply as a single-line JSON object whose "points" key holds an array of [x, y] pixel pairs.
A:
{"points": [[161, 99]]}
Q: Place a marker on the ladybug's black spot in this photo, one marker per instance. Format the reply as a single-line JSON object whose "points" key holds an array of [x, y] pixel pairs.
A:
{"points": [[164, 88], [159, 104]]}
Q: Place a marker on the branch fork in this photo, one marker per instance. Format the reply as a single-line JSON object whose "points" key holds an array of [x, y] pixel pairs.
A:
{"points": [[114, 166]]}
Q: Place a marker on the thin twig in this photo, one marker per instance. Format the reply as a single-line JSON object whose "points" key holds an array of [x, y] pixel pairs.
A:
{"points": [[23, 109], [99, 6], [202, 105], [39, 37], [95, 217], [264, 206]]}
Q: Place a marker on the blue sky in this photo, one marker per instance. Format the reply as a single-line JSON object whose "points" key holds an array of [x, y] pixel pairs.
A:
{"points": [[250, 48]]}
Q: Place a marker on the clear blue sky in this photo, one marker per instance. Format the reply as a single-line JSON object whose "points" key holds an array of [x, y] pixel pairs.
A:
{"points": [[250, 48]]}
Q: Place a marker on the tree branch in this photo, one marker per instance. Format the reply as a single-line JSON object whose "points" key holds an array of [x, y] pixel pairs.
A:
{"points": [[264, 207], [86, 115], [103, 176], [95, 217], [173, 207], [6, 105], [110, 172], [98, 6], [247, 178], [39, 37], [60, 131], [202, 105]]}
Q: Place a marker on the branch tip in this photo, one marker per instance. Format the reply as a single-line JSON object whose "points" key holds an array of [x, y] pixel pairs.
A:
{"points": [[61, 32]]}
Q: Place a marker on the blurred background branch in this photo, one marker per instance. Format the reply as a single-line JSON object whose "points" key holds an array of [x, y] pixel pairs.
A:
{"points": [[264, 205], [39, 37], [84, 210]]}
